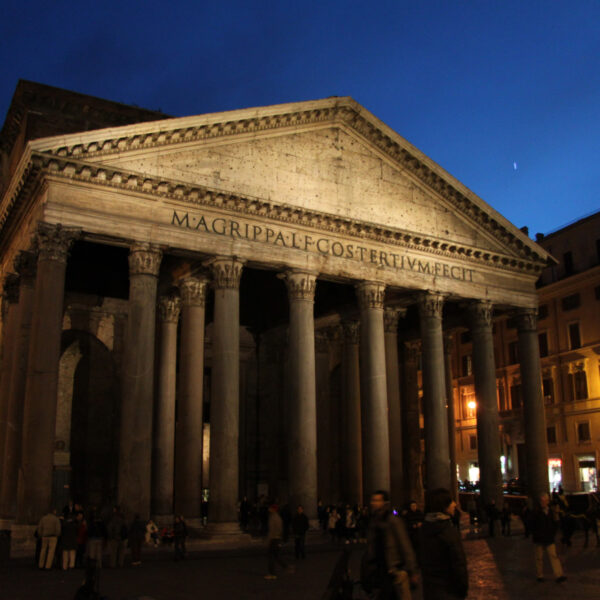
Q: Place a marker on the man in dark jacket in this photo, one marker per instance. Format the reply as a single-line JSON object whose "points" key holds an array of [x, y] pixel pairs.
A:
{"points": [[543, 524], [442, 558], [117, 538], [299, 529], [389, 564]]}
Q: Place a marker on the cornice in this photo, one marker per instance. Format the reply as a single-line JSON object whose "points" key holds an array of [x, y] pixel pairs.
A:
{"points": [[40, 165], [252, 121]]}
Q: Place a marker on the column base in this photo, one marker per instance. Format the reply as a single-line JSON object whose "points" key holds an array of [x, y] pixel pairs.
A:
{"points": [[226, 534], [22, 540]]}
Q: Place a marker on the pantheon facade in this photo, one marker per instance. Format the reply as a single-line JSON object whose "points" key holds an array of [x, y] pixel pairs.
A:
{"points": [[243, 303]]}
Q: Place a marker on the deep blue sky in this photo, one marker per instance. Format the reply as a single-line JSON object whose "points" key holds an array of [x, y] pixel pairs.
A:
{"points": [[476, 85]]}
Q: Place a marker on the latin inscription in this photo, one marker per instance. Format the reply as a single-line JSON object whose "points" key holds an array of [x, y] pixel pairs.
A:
{"points": [[321, 245]]}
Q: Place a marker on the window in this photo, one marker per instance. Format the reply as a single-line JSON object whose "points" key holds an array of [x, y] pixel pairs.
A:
{"points": [[473, 442], [469, 404], [543, 312], [568, 262], [543, 343], [579, 384], [548, 390], [551, 434], [583, 431], [513, 353], [501, 397], [515, 396], [467, 365], [571, 302], [574, 337]]}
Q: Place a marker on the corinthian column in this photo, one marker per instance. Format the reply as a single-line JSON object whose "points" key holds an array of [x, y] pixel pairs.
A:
{"points": [[451, 414], [39, 412], [135, 450], [10, 325], [536, 449], [303, 407], [392, 368], [351, 414], [164, 428], [437, 458], [484, 371], [15, 386], [373, 374], [411, 426], [189, 437], [325, 434], [225, 400]]}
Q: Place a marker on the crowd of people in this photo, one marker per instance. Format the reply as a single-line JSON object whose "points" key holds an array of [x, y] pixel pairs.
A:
{"points": [[78, 538]]}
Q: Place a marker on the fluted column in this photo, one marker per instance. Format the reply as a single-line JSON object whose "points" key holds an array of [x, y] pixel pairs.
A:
{"points": [[10, 325], [484, 372], [39, 411], [373, 373], [392, 368], [189, 434], [325, 473], [163, 462], [411, 426], [302, 446], [225, 398], [437, 458], [135, 450], [351, 414], [451, 414], [15, 386], [536, 449]]}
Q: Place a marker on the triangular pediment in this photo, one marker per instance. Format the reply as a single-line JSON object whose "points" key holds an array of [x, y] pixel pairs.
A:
{"points": [[330, 156]]}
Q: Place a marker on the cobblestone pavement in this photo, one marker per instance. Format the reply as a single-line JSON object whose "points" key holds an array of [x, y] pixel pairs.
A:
{"points": [[500, 568]]}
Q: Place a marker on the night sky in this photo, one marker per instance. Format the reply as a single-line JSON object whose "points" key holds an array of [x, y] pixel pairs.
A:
{"points": [[503, 95]]}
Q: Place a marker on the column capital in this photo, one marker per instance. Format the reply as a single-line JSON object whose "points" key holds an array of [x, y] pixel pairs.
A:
{"points": [[301, 285], [412, 349], [25, 264], [54, 241], [351, 332], [431, 304], [193, 291], [480, 314], [226, 271], [321, 342], [526, 319], [168, 309], [391, 316], [144, 259], [370, 294]]}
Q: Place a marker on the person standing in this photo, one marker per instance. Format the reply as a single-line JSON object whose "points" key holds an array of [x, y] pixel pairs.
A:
{"points": [[389, 565], [299, 529], [48, 530], [543, 525], [274, 540], [442, 558], [506, 517], [117, 538], [414, 521], [179, 535], [68, 540], [137, 534]]}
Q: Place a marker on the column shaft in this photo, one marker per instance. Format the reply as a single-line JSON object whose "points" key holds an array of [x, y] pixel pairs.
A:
{"points": [[189, 436], [451, 415], [39, 411], [351, 415], [164, 427], [392, 368], [488, 432], [135, 450], [536, 449], [373, 372], [225, 399], [411, 426], [302, 468], [25, 266], [324, 420], [437, 458]]}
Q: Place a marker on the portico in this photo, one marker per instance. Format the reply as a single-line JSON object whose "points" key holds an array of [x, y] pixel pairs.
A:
{"points": [[261, 227]]}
